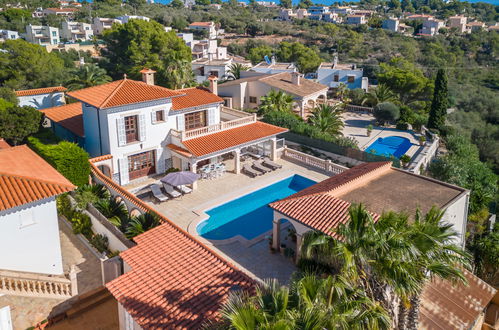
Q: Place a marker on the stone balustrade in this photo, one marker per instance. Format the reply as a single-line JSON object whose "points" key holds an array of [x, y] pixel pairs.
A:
{"points": [[319, 163]]}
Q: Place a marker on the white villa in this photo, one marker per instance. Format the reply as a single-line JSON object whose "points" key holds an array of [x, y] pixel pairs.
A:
{"points": [[42, 98], [245, 93], [29, 230], [76, 31], [42, 35], [101, 24], [149, 129]]}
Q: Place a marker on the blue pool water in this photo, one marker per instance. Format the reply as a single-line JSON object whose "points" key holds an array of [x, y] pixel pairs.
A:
{"points": [[249, 215], [388, 146]]}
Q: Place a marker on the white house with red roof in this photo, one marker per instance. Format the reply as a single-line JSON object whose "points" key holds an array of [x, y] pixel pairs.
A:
{"points": [[29, 229], [149, 129], [42, 98]]}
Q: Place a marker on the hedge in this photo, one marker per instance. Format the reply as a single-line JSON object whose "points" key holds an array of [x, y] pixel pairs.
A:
{"points": [[66, 157]]}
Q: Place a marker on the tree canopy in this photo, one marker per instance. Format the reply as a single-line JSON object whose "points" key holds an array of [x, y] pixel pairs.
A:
{"points": [[17, 123], [440, 101]]}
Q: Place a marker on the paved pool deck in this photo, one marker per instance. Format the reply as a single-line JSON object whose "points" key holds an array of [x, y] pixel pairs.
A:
{"points": [[355, 127]]}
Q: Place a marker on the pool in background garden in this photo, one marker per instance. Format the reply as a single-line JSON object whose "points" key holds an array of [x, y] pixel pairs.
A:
{"points": [[390, 145]]}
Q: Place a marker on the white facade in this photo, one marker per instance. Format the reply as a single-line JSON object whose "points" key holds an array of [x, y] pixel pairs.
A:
{"points": [[29, 238], [42, 35], [101, 24], [456, 213], [391, 24], [42, 101], [126, 18], [333, 74], [205, 26], [9, 35], [356, 19], [458, 22], [431, 27], [74, 31]]}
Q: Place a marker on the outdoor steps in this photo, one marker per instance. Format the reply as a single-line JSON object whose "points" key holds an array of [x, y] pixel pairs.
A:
{"points": [[36, 285]]}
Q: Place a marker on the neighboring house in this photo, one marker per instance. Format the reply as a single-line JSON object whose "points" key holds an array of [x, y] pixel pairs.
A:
{"points": [[205, 26], [391, 24], [101, 24], [431, 27], [332, 18], [188, 39], [66, 121], [8, 35], [379, 187], [66, 12], [459, 23], [149, 129], [342, 10], [41, 98], [203, 68], [273, 67], [356, 19], [476, 26], [42, 35], [286, 14], [420, 17], [316, 12], [126, 18], [334, 74], [447, 305], [246, 93], [29, 229], [76, 31]]}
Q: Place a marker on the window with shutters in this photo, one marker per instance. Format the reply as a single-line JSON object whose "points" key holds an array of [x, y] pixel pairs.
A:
{"points": [[160, 116], [142, 164], [252, 99], [131, 129], [195, 120]]}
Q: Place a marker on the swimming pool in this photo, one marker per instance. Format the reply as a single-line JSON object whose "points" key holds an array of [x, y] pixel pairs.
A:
{"points": [[249, 215], [391, 145]]}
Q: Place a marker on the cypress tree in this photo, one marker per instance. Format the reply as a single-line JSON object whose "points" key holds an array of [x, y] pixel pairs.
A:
{"points": [[440, 101]]}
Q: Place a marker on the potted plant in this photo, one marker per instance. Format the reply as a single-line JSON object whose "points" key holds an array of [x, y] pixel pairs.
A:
{"points": [[422, 140], [292, 234], [405, 159], [289, 253], [369, 129], [270, 239]]}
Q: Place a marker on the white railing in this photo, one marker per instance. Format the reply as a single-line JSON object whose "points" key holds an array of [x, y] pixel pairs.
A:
{"points": [[233, 112], [222, 126], [358, 108], [322, 164], [40, 286]]}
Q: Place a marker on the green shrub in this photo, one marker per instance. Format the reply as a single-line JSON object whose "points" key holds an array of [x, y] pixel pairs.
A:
{"points": [[171, 170], [64, 206], [82, 224], [100, 242], [111, 208], [402, 126], [386, 112], [405, 159], [89, 194], [141, 224], [66, 157]]}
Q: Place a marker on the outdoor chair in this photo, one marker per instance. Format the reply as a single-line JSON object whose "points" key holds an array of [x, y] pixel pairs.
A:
{"points": [[251, 172], [170, 191], [184, 189], [267, 162], [257, 165], [157, 193]]}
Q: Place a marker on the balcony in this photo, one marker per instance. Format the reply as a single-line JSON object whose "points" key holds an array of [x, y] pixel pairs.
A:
{"points": [[229, 118]]}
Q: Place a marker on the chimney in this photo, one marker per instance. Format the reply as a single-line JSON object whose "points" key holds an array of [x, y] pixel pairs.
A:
{"points": [[148, 76], [335, 61], [213, 84], [295, 78]]}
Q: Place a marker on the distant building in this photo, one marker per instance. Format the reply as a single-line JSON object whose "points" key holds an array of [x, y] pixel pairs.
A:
{"points": [[42, 35], [476, 26], [316, 12], [66, 12], [74, 31], [431, 27], [101, 24], [332, 18], [205, 26], [8, 35], [422, 17], [334, 74], [289, 14], [391, 24], [41, 98], [356, 19], [342, 10], [458, 22], [126, 18], [273, 67]]}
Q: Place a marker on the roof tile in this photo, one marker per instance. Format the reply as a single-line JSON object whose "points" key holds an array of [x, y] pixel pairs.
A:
{"points": [[68, 116], [194, 97], [39, 91]]}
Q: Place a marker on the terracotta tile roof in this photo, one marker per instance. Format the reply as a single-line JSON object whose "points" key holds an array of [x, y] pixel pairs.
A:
{"points": [[62, 10], [4, 144], [68, 116], [208, 144], [448, 306], [121, 92], [206, 24], [283, 81], [100, 158], [179, 150], [25, 177], [39, 91], [194, 97]]}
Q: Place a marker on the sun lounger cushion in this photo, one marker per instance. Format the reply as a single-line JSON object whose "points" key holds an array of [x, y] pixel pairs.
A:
{"points": [[156, 191], [251, 172], [258, 166], [170, 191]]}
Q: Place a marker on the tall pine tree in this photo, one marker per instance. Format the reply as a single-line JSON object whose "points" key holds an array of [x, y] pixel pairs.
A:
{"points": [[440, 101]]}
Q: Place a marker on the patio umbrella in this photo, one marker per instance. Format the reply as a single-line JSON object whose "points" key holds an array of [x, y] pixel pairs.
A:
{"points": [[180, 178]]}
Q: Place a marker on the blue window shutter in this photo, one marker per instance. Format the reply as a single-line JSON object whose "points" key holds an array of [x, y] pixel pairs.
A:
{"points": [[142, 127], [123, 165], [120, 129], [180, 123]]}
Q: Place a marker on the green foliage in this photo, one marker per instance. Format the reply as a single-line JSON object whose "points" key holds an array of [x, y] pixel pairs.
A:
{"points": [[100, 242], [64, 206], [382, 93], [142, 223], [386, 112], [327, 119], [439, 104], [275, 101], [90, 194], [25, 65], [257, 54], [110, 208], [306, 59], [286, 3], [138, 44], [67, 158], [17, 123], [486, 251], [87, 76], [81, 224], [405, 159], [235, 70]]}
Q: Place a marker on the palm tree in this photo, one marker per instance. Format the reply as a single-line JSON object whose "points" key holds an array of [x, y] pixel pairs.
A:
{"points": [[309, 303], [141, 224], [276, 101], [179, 73], [380, 94], [327, 118], [110, 208], [235, 70], [88, 75], [90, 194], [341, 90]]}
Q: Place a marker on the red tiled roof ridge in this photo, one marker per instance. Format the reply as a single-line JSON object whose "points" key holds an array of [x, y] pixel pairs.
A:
{"points": [[32, 179], [38, 91], [100, 158]]}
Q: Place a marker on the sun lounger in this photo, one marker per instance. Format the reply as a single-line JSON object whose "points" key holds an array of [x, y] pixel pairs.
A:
{"points": [[170, 191], [157, 193], [184, 189], [257, 165], [251, 172], [267, 162]]}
